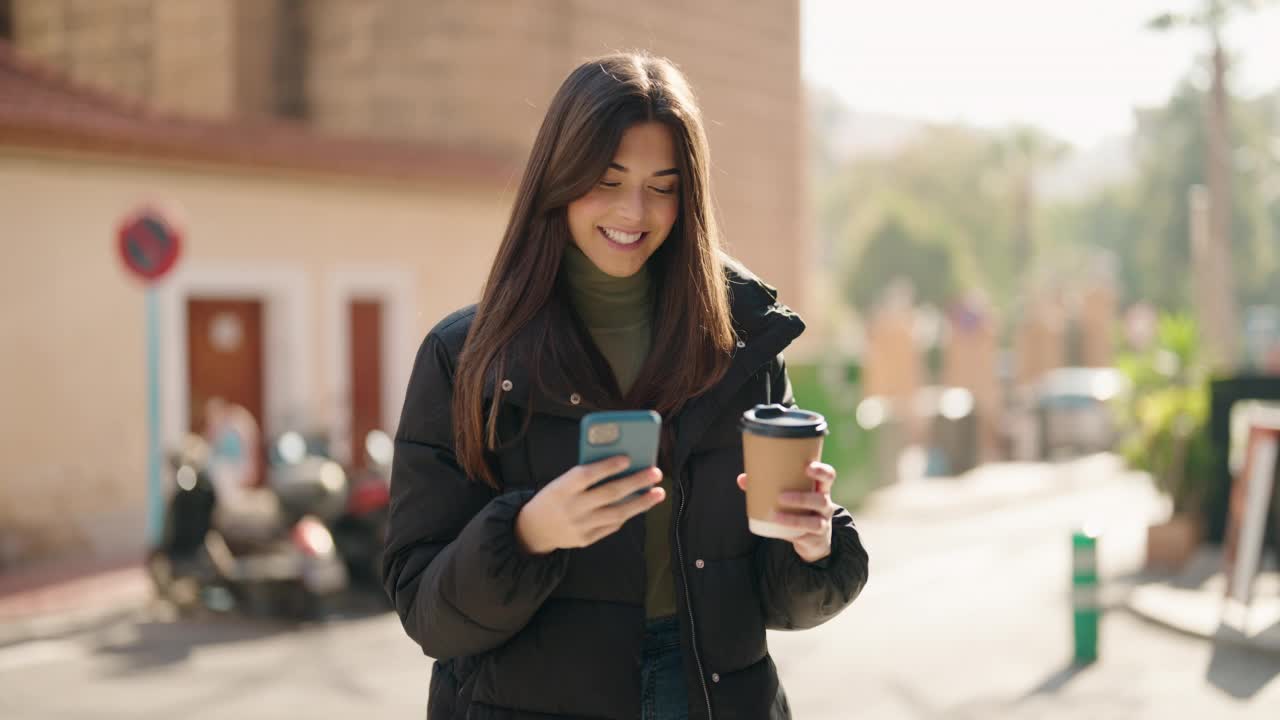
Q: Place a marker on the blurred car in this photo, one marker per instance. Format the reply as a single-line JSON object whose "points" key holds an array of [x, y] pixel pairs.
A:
{"points": [[1078, 408]]}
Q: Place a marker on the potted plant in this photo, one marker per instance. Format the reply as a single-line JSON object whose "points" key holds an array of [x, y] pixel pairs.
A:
{"points": [[1172, 443], [1170, 419]]}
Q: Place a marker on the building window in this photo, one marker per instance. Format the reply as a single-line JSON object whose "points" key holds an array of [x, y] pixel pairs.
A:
{"points": [[290, 58], [6, 20]]}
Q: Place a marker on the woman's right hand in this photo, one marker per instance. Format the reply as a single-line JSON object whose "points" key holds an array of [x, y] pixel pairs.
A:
{"points": [[570, 513]]}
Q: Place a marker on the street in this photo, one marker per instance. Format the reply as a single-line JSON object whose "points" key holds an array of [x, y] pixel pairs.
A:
{"points": [[964, 617], [971, 619]]}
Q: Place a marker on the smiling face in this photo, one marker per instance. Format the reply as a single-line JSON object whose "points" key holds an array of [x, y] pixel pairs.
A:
{"points": [[627, 216]]}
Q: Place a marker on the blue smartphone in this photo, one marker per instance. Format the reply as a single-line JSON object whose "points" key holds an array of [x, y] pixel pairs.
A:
{"points": [[634, 433]]}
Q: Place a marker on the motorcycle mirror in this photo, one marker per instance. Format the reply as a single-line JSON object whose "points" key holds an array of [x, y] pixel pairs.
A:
{"points": [[186, 478], [291, 447], [379, 446]]}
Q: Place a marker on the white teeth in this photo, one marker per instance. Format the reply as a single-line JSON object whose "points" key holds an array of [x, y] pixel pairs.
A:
{"points": [[622, 238]]}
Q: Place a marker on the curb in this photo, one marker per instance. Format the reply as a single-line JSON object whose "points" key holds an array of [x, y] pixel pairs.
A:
{"points": [[61, 625], [73, 606]]}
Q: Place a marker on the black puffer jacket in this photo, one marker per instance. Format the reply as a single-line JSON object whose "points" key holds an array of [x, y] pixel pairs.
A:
{"points": [[560, 636]]}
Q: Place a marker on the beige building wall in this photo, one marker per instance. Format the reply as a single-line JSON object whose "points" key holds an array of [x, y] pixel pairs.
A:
{"points": [[1097, 318], [971, 360], [73, 361], [1040, 342]]}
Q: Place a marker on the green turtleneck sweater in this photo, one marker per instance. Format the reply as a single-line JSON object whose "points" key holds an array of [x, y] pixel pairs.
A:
{"points": [[618, 312]]}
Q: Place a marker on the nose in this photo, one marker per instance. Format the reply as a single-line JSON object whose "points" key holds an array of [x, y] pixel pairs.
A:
{"points": [[631, 205]]}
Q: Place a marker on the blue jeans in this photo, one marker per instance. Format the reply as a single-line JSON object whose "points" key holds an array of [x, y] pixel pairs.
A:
{"points": [[665, 695]]}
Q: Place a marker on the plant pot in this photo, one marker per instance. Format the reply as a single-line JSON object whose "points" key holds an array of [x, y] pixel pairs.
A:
{"points": [[1171, 544]]}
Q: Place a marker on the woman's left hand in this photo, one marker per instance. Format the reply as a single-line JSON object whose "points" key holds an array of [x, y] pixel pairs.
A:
{"points": [[808, 511]]}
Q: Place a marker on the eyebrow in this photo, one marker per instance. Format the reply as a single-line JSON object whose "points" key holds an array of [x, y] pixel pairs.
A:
{"points": [[660, 173]]}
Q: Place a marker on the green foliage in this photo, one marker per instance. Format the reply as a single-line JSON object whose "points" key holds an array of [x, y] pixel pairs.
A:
{"points": [[938, 211], [1106, 221], [1165, 21], [1172, 149], [1206, 14], [954, 208], [897, 249], [1173, 360], [1145, 224], [1172, 443], [1179, 335], [847, 447], [1170, 414]]}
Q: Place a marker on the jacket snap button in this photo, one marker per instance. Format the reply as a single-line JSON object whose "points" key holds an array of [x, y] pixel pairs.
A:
{"points": [[575, 399], [699, 564], [506, 385], [715, 677], [741, 344]]}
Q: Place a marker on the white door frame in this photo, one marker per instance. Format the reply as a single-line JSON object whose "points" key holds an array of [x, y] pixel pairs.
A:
{"points": [[394, 288], [286, 364]]}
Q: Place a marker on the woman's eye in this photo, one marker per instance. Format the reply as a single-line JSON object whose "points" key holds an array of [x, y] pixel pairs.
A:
{"points": [[663, 191], [606, 183]]}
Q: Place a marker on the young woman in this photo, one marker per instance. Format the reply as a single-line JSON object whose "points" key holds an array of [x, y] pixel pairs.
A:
{"points": [[540, 595]]}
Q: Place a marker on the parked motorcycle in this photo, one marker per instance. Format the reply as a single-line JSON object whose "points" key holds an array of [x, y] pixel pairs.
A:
{"points": [[361, 528], [264, 550], [357, 517]]}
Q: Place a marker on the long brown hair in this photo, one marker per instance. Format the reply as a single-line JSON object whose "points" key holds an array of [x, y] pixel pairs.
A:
{"points": [[524, 297]]}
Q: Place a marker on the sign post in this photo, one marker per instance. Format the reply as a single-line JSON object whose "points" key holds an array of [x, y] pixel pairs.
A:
{"points": [[1247, 514], [149, 246]]}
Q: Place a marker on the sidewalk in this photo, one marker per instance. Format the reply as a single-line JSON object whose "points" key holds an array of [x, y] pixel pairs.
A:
{"points": [[990, 487], [1193, 603], [65, 597]]}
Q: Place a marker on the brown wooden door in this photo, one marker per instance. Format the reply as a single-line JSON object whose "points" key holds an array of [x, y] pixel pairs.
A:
{"points": [[224, 356], [366, 374]]}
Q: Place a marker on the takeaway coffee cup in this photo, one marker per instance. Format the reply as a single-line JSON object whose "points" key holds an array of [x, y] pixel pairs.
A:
{"points": [[778, 443]]}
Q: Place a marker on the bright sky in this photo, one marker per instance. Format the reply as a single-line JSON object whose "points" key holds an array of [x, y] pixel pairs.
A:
{"points": [[1073, 67]]}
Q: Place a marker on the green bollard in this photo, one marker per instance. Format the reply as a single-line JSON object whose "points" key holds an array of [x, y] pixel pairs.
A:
{"points": [[1086, 606]]}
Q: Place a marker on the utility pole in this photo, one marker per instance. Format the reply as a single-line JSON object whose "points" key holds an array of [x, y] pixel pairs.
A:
{"points": [[1224, 332]]}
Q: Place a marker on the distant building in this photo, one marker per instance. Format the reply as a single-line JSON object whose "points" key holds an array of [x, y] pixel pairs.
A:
{"points": [[343, 171]]}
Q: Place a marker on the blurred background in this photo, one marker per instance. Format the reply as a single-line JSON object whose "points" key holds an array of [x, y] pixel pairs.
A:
{"points": [[1037, 246]]}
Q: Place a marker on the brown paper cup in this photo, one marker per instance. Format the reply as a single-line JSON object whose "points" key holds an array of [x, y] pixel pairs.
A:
{"points": [[778, 444], [775, 466]]}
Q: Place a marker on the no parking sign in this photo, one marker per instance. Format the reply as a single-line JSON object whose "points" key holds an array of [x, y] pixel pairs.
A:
{"points": [[149, 244]]}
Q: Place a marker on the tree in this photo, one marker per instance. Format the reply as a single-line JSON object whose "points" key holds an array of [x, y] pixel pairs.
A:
{"points": [[935, 200], [900, 248], [1222, 315], [1106, 221], [1020, 156], [1145, 224]]}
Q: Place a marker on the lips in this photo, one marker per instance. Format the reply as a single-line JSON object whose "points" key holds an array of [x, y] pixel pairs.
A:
{"points": [[621, 240], [622, 237]]}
